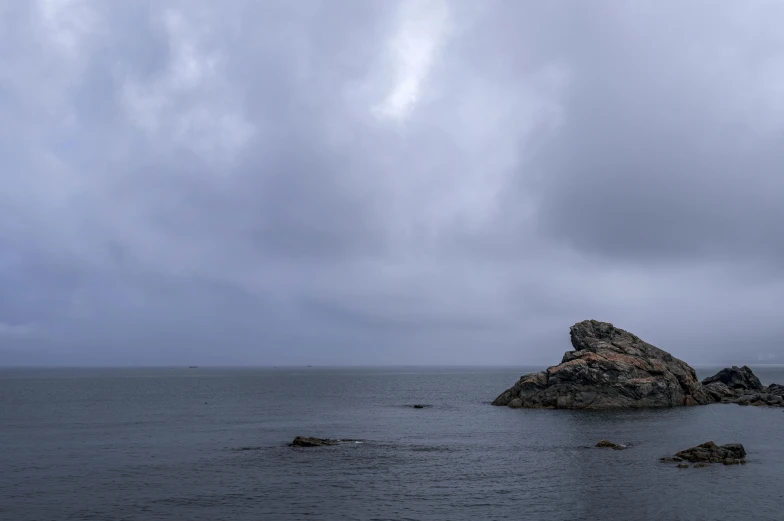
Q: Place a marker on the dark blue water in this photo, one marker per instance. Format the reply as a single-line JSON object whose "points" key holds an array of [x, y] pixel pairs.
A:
{"points": [[149, 444]]}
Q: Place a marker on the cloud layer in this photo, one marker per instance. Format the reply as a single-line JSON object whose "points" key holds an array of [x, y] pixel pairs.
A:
{"points": [[431, 181]]}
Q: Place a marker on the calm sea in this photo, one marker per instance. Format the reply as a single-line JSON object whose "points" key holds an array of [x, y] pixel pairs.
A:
{"points": [[150, 444]]}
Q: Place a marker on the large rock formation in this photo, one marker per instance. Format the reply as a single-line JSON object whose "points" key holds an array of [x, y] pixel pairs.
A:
{"points": [[609, 368]]}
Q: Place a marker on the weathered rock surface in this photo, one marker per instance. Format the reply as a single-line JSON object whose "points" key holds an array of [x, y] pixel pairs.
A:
{"points": [[709, 452], [305, 441], [609, 368]]}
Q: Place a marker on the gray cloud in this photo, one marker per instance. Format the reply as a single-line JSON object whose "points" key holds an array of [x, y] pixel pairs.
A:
{"points": [[387, 182]]}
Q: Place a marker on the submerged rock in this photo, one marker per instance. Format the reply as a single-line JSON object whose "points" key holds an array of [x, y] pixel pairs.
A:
{"points": [[305, 441], [609, 368], [709, 452], [610, 445]]}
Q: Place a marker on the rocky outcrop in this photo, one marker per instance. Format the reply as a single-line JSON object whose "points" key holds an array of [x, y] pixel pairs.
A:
{"points": [[709, 452], [740, 385], [736, 378], [609, 368]]}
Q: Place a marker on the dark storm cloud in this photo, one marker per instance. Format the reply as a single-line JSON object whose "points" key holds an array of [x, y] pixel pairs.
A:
{"points": [[387, 182]]}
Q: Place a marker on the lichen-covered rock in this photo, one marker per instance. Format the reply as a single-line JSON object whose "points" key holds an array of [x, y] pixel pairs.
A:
{"points": [[609, 368]]}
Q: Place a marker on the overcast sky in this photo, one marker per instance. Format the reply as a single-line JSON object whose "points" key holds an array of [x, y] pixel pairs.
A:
{"points": [[383, 182]]}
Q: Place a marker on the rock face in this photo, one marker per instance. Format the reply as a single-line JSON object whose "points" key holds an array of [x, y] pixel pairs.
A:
{"points": [[709, 452], [609, 368]]}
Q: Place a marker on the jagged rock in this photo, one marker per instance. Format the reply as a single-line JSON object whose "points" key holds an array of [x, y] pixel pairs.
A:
{"points": [[609, 368], [776, 389], [304, 441], [607, 444], [736, 378], [740, 385], [709, 452]]}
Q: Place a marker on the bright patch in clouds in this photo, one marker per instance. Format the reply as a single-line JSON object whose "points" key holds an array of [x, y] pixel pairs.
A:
{"points": [[67, 21], [413, 48]]}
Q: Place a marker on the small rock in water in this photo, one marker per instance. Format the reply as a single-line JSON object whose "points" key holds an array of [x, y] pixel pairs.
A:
{"points": [[700, 465], [607, 444], [305, 441], [682, 466], [670, 459], [709, 452]]}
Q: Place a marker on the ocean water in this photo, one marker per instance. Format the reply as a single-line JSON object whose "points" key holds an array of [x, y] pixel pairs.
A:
{"points": [[155, 444]]}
